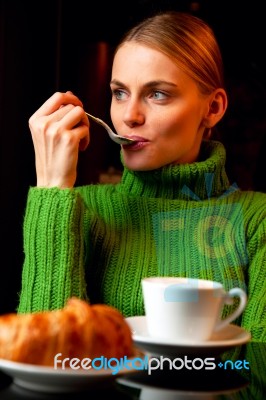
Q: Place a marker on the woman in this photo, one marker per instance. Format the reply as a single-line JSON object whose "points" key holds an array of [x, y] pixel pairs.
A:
{"points": [[174, 212]]}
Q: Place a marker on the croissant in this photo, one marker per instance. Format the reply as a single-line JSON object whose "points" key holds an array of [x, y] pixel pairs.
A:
{"points": [[79, 330]]}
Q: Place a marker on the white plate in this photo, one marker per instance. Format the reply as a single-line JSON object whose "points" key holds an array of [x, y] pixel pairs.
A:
{"points": [[228, 337], [48, 379]]}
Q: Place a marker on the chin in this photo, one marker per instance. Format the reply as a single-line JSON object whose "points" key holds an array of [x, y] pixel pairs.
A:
{"points": [[139, 167], [140, 163]]}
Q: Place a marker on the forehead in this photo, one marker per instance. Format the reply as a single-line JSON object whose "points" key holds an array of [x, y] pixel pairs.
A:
{"points": [[134, 59]]}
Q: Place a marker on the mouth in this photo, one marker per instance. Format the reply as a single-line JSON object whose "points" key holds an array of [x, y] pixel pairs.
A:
{"points": [[139, 141], [136, 145]]}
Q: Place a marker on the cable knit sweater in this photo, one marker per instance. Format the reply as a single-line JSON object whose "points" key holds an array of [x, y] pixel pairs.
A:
{"points": [[98, 241]]}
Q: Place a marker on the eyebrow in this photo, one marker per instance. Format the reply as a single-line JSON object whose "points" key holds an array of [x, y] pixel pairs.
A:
{"points": [[148, 84]]}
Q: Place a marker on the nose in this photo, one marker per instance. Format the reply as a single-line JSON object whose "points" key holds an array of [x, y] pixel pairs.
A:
{"points": [[133, 114]]}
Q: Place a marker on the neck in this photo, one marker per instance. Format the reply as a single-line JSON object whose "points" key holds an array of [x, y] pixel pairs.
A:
{"points": [[198, 181]]}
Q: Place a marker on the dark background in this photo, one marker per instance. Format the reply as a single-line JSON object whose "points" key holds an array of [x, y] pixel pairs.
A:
{"points": [[58, 45]]}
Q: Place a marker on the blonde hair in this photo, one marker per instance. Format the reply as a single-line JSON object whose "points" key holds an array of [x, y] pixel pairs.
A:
{"points": [[188, 41]]}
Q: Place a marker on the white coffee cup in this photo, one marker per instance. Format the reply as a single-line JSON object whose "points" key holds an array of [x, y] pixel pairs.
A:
{"points": [[185, 309]]}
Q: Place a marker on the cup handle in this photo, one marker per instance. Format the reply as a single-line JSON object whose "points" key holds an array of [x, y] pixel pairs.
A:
{"points": [[235, 292]]}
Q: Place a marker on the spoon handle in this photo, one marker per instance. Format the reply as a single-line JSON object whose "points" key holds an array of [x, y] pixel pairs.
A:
{"points": [[116, 138]]}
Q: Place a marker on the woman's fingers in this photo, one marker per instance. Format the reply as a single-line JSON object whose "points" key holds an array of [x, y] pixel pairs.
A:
{"points": [[57, 100], [75, 122], [60, 129]]}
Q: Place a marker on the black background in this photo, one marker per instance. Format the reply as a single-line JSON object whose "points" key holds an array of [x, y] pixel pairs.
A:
{"points": [[52, 45]]}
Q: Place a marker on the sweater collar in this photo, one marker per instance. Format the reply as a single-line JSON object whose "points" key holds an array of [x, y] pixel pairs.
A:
{"points": [[200, 180]]}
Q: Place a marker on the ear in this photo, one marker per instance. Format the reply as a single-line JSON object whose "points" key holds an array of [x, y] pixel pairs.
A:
{"points": [[217, 105]]}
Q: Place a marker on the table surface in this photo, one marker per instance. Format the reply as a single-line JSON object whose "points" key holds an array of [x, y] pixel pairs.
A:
{"points": [[244, 377]]}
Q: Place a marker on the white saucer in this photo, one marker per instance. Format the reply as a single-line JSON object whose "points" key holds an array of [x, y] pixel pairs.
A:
{"points": [[48, 379], [228, 337]]}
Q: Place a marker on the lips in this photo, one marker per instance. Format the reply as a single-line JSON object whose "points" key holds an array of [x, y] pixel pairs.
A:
{"points": [[137, 138], [138, 144]]}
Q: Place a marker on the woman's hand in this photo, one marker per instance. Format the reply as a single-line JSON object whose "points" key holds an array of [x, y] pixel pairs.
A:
{"points": [[59, 128]]}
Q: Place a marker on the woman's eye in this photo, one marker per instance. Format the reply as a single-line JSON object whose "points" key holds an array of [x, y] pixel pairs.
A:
{"points": [[157, 95], [119, 94]]}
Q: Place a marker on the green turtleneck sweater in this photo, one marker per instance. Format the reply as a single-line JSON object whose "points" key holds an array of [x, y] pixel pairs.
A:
{"points": [[98, 241]]}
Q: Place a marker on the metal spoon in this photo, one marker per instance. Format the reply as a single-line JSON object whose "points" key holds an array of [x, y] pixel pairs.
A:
{"points": [[116, 138]]}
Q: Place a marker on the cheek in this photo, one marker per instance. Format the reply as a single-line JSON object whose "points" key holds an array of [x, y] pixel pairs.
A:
{"points": [[174, 121], [117, 119], [112, 112], [171, 130], [183, 124]]}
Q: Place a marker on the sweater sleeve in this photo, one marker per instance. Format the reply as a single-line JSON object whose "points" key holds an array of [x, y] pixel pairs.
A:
{"points": [[254, 318], [53, 267]]}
